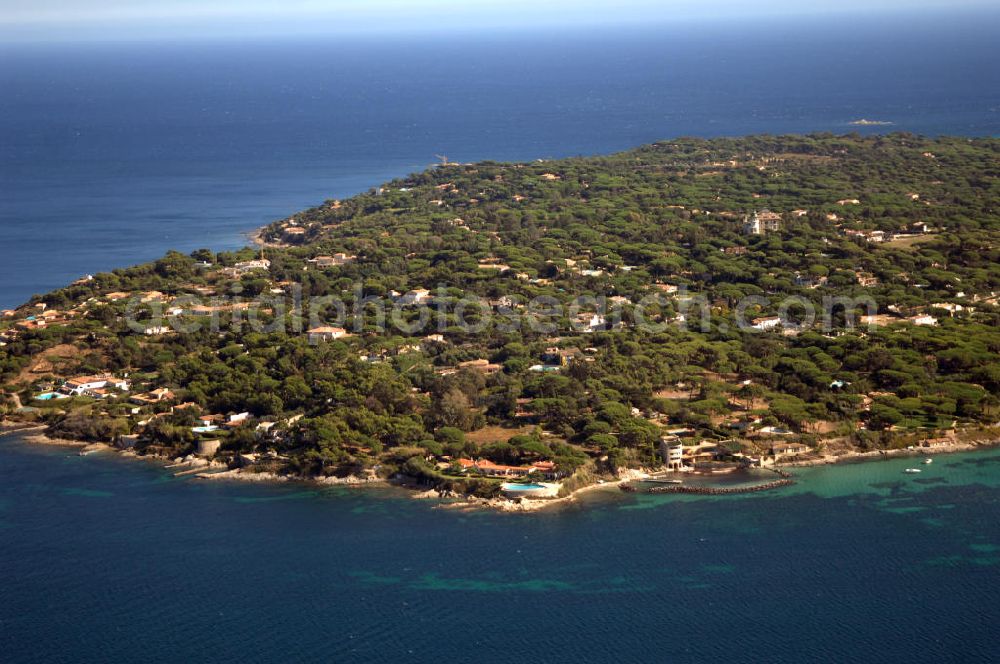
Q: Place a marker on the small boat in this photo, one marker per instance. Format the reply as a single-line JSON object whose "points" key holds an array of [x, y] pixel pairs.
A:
{"points": [[928, 462], [864, 122], [912, 470]]}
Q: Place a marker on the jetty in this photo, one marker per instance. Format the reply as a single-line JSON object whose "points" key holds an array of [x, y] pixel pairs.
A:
{"points": [[707, 490]]}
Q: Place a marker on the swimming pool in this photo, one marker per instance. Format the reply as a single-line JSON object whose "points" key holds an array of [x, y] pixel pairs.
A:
{"points": [[49, 396], [508, 486]]}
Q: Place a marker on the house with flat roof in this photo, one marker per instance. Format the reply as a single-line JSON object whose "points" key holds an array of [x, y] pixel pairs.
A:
{"points": [[481, 366], [156, 331], [88, 385], [337, 260], [249, 266], [923, 319], [766, 322], [587, 322], [788, 448]]}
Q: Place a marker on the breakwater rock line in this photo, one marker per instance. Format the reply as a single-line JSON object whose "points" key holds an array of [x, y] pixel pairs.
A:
{"points": [[708, 490]]}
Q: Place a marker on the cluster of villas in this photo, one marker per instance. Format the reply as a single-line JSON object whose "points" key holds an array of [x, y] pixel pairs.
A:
{"points": [[769, 323], [34, 318], [215, 422], [713, 457], [207, 426], [765, 221], [878, 236]]}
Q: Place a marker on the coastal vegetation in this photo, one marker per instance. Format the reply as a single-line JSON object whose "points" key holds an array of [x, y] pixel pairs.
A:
{"points": [[837, 291]]}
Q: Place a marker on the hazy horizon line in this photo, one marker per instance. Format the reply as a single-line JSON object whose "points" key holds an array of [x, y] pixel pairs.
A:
{"points": [[55, 32]]}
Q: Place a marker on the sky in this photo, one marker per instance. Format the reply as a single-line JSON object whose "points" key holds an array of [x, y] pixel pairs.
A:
{"points": [[46, 20]]}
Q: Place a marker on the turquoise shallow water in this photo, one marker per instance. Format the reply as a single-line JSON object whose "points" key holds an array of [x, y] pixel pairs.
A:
{"points": [[107, 559]]}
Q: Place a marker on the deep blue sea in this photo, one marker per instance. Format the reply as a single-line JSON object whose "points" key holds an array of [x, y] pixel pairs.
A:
{"points": [[110, 154], [106, 559]]}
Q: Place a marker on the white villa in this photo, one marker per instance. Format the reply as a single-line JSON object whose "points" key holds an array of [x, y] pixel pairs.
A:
{"points": [[250, 266], [766, 322], [156, 331], [89, 385]]}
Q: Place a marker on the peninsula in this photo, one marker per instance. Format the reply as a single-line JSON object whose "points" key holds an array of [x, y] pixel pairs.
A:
{"points": [[529, 329]]}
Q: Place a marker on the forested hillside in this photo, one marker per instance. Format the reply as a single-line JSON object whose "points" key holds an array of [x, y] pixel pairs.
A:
{"points": [[821, 289]]}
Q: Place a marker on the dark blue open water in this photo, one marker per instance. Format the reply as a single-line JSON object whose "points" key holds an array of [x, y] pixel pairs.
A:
{"points": [[107, 559], [111, 154]]}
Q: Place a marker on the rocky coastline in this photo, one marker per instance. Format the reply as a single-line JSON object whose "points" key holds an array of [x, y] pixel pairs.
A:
{"points": [[199, 468]]}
